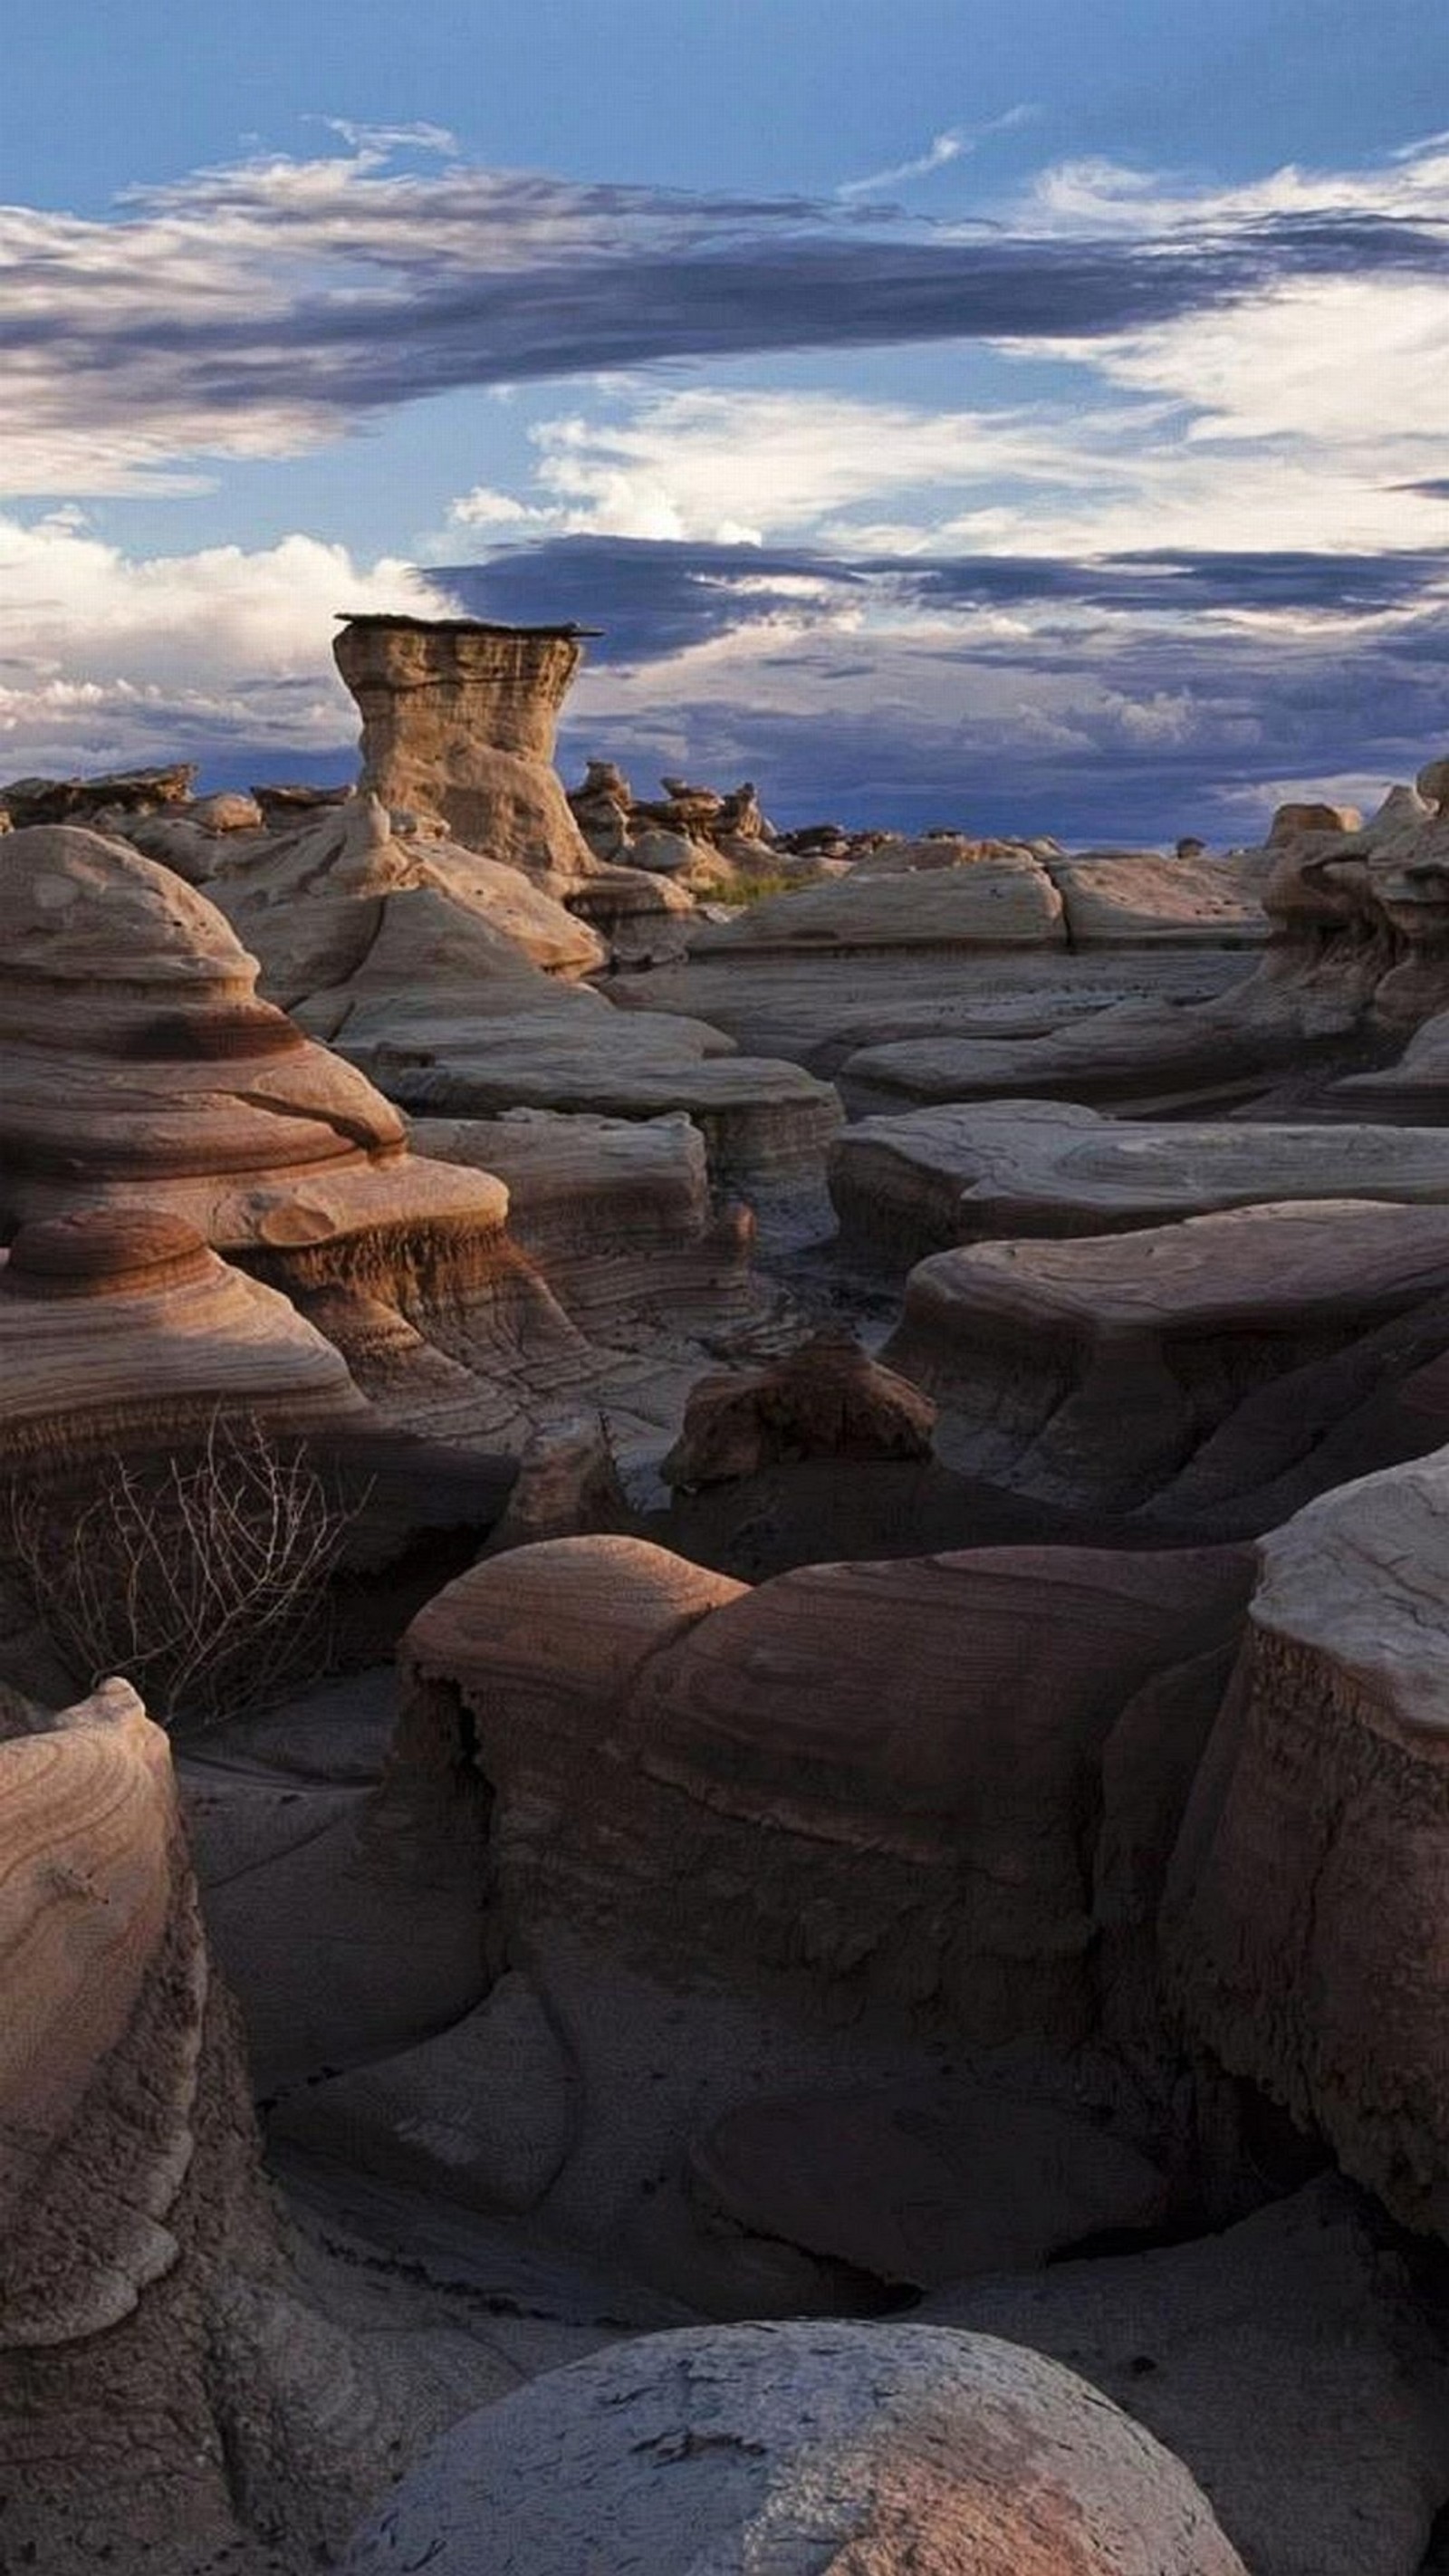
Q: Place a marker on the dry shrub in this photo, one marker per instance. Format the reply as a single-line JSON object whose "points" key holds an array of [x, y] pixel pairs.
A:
{"points": [[204, 1578]]}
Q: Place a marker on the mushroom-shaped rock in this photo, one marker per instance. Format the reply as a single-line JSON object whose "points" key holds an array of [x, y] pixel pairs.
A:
{"points": [[821, 2447], [825, 1400], [141, 1071], [458, 721]]}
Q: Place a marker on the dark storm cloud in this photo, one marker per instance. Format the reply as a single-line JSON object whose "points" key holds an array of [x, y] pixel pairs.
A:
{"points": [[653, 597], [1158, 713], [278, 301]]}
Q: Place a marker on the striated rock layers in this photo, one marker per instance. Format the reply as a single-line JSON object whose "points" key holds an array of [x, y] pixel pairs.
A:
{"points": [[810, 1839], [120, 1327], [812, 2447], [978, 1171], [1213, 1374], [1305, 1914], [142, 1072], [165, 2401], [459, 721], [1358, 958]]}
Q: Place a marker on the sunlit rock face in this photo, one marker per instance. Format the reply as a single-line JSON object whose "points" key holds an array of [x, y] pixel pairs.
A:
{"points": [[1305, 1915], [143, 1073], [459, 721], [819, 2447]]}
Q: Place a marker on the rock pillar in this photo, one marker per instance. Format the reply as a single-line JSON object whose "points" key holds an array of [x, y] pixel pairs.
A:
{"points": [[459, 721]]}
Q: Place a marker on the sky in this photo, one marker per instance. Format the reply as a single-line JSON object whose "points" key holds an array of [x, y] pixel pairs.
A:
{"points": [[1002, 414]]}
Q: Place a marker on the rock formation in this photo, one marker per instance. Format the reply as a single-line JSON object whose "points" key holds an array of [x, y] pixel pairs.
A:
{"points": [[1216, 1372], [119, 1328], [167, 2401], [823, 1400], [458, 721], [143, 1073], [980, 1171], [1356, 962], [1304, 1912], [882, 1851], [817, 2446]]}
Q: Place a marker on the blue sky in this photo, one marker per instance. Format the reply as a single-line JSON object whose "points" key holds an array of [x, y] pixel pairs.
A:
{"points": [[1001, 413]]}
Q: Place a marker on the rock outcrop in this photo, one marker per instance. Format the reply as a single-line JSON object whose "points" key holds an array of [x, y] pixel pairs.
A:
{"points": [[144, 1073], [1215, 1373], [979, 1171], [1358, 958], [1305, 1912], [120, 1328], [167, 2401], [819, 2446], [749, 1845], [459, 720]]}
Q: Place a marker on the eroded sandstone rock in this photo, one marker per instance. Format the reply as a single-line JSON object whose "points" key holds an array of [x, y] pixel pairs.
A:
{"points": [[824, 1400], [459, 720], [1218, 1371], [1305, 1913], [977, 1171]]}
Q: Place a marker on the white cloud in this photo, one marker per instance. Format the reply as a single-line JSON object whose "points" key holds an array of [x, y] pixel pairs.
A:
{"points": [[119, 659], [940, 152]]}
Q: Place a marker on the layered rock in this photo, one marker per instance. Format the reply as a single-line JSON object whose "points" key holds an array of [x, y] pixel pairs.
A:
{"points": [[120, 1328], [807, 1839], [347, 910], [618, 1215], [459, 721], [1219, 1371], [971, 1172], [144, 1073], [166, 2401], [1305, 1912], [883, 2447], [1358, 958]]}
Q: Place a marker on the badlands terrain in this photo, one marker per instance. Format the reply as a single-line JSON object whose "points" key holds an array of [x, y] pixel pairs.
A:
{"points": [[724, 1676]]}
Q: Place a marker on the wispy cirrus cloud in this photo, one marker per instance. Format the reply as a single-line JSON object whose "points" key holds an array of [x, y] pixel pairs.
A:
{"points": [[954, 144]]}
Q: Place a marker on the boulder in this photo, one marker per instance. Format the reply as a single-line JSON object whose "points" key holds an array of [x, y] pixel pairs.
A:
{"points": [[817, 2446], [824, 1400]]}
